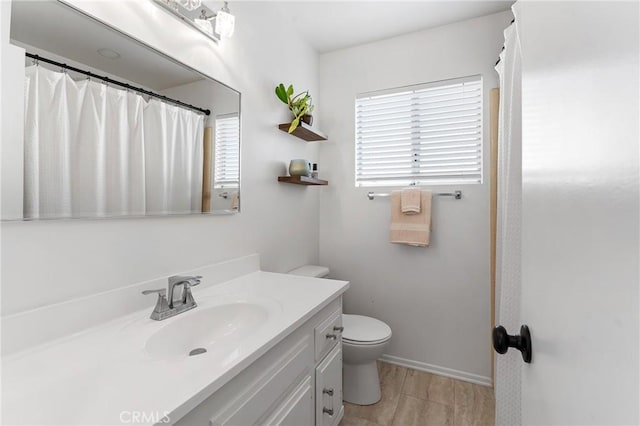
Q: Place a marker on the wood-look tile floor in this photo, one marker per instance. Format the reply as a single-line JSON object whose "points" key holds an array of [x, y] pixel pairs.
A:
{"points": [[416, 398]]}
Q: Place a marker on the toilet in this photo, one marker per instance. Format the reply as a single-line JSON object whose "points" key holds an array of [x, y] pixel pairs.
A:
{"points": [[364, 340]]}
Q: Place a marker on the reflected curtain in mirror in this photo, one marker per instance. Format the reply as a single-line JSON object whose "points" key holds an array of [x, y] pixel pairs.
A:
{"points": [[95, 151]]}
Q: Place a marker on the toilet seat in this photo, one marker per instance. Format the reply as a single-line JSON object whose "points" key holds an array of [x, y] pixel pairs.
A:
{"points": [[361, 330], [358, 344]]}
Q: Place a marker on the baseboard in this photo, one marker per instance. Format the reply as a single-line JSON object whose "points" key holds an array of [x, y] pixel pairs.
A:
{"points": [[436, 369]]}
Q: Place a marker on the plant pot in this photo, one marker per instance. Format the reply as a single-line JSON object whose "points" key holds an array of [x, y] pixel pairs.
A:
{"points": [[307, 118]]}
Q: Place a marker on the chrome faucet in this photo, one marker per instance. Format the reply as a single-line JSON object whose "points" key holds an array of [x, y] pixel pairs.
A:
{"points": [[168, 307]]}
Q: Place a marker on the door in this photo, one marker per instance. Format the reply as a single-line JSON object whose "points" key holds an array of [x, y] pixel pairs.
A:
{"points": [[580, 214]]}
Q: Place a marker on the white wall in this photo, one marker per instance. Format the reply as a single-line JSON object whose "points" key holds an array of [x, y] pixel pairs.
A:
{"points": [[50, 261], [12, 105], [436, 299]]}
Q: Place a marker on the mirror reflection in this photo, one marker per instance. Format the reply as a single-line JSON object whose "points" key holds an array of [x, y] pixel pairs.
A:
{"points": [[114, 128]]}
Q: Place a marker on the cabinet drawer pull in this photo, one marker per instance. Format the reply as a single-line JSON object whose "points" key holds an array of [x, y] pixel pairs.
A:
{"points": [[328, 411], [332, 336], [328, 391], [338, 328]]}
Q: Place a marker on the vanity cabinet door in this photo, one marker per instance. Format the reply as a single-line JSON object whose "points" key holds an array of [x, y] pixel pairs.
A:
{"points": [[329, 409], [297, 408]]}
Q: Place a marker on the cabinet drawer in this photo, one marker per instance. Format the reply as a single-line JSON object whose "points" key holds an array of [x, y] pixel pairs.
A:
{"points": [[329, 409], [328, 333]]}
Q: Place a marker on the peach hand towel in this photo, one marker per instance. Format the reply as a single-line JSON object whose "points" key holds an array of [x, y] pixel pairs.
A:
{"points": [[413, 230], [410, 200], [235, 201]]}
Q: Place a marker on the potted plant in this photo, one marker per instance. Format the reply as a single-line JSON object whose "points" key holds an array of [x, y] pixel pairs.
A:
{"points": [[300, 105]]}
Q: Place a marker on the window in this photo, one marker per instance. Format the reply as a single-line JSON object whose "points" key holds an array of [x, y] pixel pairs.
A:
{"points": [[227, 152], [420, 135]]}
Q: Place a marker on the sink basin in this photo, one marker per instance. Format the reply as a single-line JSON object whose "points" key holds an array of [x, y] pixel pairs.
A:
{"points": [[205, 328]]}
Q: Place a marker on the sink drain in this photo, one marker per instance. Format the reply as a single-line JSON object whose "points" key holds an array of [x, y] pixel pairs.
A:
{"points": [[197, 351]]}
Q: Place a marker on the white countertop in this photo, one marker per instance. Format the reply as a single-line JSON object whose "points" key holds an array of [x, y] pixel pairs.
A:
{"points": [[93, 376]]}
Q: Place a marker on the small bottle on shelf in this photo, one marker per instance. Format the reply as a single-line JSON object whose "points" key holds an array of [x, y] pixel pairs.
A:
{"points": [[314, 171]]}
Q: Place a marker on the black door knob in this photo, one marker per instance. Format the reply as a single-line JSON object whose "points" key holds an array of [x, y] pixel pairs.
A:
{"points": [[522, 342]]}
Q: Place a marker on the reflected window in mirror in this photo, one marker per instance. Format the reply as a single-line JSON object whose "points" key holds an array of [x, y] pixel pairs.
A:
{"points": [[227, 159]]}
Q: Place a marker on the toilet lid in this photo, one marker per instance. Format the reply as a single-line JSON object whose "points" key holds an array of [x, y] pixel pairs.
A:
{"points": [[311, 271], [358, 328]]}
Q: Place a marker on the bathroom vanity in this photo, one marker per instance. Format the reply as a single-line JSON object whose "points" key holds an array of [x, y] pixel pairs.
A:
{"points": [[298, 382], [269, 352]]}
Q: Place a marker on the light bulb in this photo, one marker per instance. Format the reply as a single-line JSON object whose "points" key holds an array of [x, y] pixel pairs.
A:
{"points": [[190, 4], [204, 25], [225, 24]]}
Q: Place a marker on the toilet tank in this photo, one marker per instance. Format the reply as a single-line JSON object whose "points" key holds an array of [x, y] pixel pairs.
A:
{"points": [[311, 271]]}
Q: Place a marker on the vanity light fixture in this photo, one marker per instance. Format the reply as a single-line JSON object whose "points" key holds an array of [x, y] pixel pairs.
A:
{"points": [[202, 19], [225, 22]]}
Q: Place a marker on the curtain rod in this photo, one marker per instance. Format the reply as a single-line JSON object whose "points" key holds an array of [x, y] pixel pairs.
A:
{"points": [[38, 58]]}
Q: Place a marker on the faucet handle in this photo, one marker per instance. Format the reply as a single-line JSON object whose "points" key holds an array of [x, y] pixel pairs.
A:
{"points": [[161, 292], [162, 306]]}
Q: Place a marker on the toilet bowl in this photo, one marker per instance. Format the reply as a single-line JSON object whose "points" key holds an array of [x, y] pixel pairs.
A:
{"points": [[364, 340]]}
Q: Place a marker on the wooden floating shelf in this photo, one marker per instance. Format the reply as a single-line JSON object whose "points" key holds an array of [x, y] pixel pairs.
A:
{"points": [[302, 180], [304, 131]]}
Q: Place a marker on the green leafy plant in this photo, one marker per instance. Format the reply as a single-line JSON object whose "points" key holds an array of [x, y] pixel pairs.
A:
{"points": [[299, 104]]}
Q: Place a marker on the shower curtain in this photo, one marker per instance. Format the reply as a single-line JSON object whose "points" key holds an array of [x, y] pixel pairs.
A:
{"points": [[95, 151], [509, 220]]}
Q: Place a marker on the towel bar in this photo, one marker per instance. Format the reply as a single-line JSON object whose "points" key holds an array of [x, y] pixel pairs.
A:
{"points": [[455, 194]]}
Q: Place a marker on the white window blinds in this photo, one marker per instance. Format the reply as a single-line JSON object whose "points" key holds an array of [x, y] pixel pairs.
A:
{"points": [[420, 135], [227, 152]]}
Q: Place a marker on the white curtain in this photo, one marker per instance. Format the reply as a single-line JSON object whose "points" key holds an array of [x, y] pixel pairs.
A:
{"points": [[174, 155], [509, 217], [92, 150]]}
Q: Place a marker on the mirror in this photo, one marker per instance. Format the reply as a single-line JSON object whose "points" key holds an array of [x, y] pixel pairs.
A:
{"points": [[114, 128]]}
